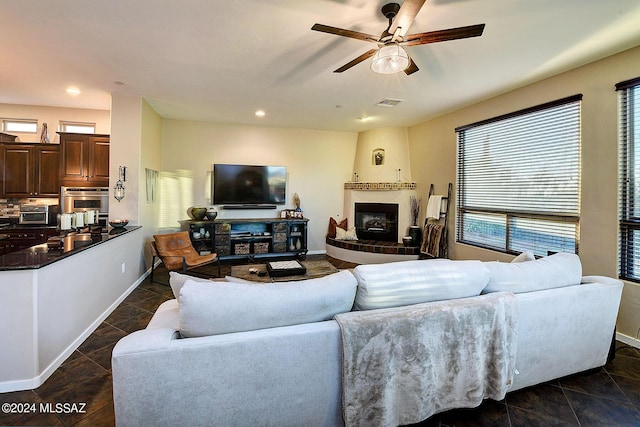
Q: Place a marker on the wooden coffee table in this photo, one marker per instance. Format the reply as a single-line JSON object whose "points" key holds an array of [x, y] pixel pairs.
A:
{"points": [[314, 269]]}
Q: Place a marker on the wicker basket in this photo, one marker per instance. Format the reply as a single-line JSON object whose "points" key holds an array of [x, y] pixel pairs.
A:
{"points": [[241, 248], [261, 247]]}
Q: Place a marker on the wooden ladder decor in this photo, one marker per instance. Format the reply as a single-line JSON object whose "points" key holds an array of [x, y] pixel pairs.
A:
{"points": [[435, 233]]}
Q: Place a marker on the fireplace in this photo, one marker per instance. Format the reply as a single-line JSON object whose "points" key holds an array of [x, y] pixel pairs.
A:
{"points": [[377, 221]]}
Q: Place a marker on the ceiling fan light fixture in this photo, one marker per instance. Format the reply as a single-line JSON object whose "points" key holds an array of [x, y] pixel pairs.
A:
{"points": [[390, 58]]}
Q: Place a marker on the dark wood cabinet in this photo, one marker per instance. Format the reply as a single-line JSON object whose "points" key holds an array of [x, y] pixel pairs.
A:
{"points": [[23, 238], [84, 159], [29, 170], [249, 238]]}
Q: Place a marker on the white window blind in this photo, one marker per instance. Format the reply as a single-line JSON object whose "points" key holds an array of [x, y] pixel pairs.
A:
{"points": [[629, 135], [519, 180]]}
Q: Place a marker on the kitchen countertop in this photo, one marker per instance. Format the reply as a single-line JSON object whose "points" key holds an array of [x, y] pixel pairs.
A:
{"points": [[15, 226], [41, 255]]}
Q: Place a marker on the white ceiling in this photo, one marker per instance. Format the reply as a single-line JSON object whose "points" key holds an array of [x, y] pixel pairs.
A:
{"points": [[220, 61]]}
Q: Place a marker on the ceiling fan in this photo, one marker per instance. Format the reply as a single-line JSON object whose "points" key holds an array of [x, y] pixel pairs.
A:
{"points": [[391, 56]]}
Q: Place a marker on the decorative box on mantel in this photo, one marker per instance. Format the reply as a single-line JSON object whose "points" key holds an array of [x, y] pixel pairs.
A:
{"points": [[379, 186]]}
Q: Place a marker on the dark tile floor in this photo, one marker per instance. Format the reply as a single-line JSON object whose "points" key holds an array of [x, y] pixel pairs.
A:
{"points": [[609, 396]]}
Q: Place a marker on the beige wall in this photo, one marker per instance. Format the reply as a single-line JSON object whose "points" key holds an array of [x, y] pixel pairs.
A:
{"points": [[433, 154], [125, 150], [395, 143], [52, 117], [318, 164], [150, 158]]}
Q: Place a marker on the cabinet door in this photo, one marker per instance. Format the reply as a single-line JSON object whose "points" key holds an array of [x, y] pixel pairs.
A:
{"points": [[47, 178], [17, 171], [73, 158], [99, 160]]}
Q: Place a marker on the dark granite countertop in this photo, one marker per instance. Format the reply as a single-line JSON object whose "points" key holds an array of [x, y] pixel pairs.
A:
{"points": [[41, 255], [12, 226]]}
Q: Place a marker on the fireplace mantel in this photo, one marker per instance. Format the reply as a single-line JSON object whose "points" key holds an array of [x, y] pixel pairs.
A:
{"points": [[379, 186]]}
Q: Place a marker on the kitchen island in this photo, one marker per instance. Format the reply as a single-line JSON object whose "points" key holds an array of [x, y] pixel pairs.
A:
{"points": [[42, 255], [54, 298]]}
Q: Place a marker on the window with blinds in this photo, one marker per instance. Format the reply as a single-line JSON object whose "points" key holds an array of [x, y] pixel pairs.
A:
{"points": [[629, 135], [519, 180]]}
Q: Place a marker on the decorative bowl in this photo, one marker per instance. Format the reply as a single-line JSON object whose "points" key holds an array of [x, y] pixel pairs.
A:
{"points": [[211, 214], [406, 240], [197, 213], [119, 223]]}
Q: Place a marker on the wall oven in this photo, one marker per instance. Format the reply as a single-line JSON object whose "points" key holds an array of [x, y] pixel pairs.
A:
{"points": [[80, 199]]}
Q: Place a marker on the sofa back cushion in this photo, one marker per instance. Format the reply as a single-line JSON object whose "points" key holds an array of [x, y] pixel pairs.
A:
{"points": [[211, 308], [553, 271], [412, 282], [177, 281]]}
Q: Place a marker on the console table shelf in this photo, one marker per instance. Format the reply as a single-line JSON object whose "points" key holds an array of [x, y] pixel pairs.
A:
{"points": [[249, 237]]}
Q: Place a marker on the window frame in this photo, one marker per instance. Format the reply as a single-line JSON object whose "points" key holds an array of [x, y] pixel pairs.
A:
{"points": [[65, 123], [628, 151], [7, 121], [510, 216]]}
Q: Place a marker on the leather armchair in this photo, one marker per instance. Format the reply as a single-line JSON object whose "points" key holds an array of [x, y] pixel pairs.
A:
{"points": [[178, 254]]}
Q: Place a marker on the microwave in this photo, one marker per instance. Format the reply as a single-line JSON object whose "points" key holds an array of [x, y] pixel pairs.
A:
{"points": [[38, 214]]}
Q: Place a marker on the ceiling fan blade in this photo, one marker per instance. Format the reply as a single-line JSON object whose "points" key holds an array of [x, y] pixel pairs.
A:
{"points": [[444, 35], [359, 59], [412, 68], [345, 33], [406, 16]]}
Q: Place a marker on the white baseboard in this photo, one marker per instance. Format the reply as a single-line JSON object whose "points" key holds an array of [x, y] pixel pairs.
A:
{"points": [[633, 342]]}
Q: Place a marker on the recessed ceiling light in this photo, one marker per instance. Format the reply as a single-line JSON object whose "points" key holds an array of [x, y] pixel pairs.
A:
{"points": [[73, 91], [260, 113]]}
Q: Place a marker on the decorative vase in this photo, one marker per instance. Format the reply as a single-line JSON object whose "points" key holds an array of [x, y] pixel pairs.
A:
{"points": [[211, 213], [415, 232], [196, 213], [44, 136], [298, 244]]}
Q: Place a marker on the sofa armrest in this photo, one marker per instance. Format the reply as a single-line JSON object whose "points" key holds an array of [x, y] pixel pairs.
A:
{"points": [[601, 279], [276, 374], [151, 339]]}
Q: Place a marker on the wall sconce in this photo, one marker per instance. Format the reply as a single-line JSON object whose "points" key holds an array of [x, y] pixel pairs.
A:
{"points": [[118, 190]]}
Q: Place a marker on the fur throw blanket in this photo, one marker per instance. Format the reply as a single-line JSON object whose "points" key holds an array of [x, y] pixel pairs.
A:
{"points": [[403, 364]]}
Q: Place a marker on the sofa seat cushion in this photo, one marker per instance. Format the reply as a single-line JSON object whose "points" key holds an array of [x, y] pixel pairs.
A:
{"points": [[214, 308], [554, 271], [413, 282]]}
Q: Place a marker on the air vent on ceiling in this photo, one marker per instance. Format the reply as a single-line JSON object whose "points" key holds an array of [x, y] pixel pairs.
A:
{"points": [[389, 102]]}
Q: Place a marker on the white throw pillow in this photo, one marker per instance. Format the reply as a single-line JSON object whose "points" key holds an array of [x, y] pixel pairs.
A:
{"points": [[524, 256], [224, 307], [554, 271], [342, 234], [413, 282], [176, 281]]}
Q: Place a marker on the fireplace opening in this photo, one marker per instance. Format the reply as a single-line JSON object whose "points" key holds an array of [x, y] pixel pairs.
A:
{"points": [[377, 221]]}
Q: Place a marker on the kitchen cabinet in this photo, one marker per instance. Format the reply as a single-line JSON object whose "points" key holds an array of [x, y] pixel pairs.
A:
{"points": [[29, 170], [22, 238], [84, 159]]}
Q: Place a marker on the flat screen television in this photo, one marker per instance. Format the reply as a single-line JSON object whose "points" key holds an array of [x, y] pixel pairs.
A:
{"points": [[249, 185]]}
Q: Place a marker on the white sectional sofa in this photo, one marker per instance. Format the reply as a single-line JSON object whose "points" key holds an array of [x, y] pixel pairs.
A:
{"points": [[388, 344]]}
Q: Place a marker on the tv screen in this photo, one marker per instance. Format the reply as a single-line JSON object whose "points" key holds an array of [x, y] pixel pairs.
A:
{"points": [[248, 185]]}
